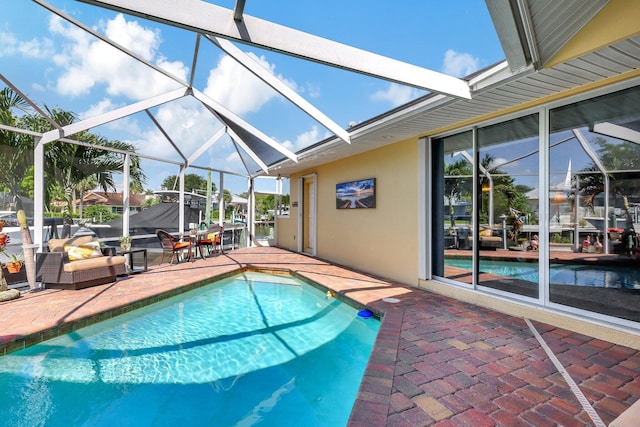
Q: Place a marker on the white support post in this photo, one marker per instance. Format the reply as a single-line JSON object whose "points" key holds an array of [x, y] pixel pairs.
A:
{"points": [[207, 210], [424, 223], [276, 209], [125, 194], [38, 191], [221, 206], [251, 215], [181, 201]]}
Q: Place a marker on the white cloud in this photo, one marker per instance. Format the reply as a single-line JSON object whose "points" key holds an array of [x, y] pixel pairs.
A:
{"points": [[37, 87], [459, 64], [396, 94], [305, 139], [97, 109], [231, 85], [144, 42], [499, 161], [34, 48], [88, 62], [188, 124], [313, 90], [233, 159]]}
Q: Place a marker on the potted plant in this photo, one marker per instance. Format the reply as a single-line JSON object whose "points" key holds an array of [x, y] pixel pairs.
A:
{"points": [[15, 263], [125, 243]]}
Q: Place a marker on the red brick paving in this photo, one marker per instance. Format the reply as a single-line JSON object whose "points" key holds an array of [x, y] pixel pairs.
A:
{"points": [[436, 362]]}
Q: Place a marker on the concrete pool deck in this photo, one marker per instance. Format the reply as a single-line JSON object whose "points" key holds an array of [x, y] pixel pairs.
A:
{"points": [[436, 361]]}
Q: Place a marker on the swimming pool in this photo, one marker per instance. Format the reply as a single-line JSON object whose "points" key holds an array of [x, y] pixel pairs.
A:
{"points": [[253, 349], [600, 276]]}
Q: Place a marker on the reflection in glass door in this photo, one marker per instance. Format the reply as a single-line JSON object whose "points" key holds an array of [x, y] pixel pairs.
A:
{"points": [[507, 208], [453, 197], [594, 192]]}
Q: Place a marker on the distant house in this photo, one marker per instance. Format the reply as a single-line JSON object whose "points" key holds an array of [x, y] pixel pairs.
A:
{"points": [[113, 201]]}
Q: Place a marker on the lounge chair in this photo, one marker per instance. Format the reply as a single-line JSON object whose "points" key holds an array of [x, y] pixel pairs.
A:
{"points": [[173, 244]]}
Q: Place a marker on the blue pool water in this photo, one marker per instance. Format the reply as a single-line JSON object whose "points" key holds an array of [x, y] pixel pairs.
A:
{"points": [[560, 274], [250, 350]]}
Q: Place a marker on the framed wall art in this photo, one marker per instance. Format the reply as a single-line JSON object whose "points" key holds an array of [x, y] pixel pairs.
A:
{"points": [[356, 194]]}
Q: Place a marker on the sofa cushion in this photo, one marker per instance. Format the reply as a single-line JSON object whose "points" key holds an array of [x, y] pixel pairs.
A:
{"points": [[91, 263], [57, 245], [84, 251]]}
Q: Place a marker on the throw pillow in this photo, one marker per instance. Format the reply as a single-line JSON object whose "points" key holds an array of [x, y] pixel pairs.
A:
{"points": [[84, 251]]}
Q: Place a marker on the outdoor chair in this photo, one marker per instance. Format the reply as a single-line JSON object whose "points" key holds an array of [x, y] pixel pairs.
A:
{"points": [[213, 238], [173, 244], [77, 263]]}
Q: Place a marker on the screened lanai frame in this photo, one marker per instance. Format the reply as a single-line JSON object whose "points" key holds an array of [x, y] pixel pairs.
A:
{"points": [[257, 150], [545, 181]]}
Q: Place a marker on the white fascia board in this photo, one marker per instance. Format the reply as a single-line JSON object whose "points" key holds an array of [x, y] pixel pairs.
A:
{"points": [[204, 147], [499, 74], [110, 116], [279, 86], [506, 25], [431, 103], [208, 18], [226, 112]]}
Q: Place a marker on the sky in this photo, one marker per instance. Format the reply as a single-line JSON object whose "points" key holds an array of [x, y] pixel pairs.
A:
{"points": [[58, 65]]}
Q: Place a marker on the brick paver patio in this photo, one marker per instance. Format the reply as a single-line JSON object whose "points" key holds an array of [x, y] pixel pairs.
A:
{"points": [[437, 361]]}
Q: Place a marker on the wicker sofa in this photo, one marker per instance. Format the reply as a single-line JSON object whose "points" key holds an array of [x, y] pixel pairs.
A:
{"points": [[77, 263], [487, 240]]}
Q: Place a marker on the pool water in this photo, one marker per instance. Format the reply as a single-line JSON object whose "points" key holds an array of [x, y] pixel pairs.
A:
{"points": [[253, 349], [559, 274]]}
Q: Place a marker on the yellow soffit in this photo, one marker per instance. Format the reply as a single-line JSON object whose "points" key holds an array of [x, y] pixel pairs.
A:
{"points": [[618, 20], [537, 102]]}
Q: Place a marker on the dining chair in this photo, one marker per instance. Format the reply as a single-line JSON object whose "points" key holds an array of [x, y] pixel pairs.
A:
{"points": [[173, 244]]}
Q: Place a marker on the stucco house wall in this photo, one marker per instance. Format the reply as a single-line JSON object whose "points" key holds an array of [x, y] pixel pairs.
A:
{"points": [[383, 240]]}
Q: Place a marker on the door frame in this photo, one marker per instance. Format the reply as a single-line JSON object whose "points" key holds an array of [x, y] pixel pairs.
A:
{"points": [[310, 206]]}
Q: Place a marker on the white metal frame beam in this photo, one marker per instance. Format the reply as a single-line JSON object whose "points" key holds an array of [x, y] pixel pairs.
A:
{"points": [[207, 18], [617, 131], [204, 147], [238, 10], [216, 107], [238, 141], [279, 86], [73, 128], [30, 102], [100, 147], [166, 135]]}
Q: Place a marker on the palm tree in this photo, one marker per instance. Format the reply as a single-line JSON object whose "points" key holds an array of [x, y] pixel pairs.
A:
{"points": [[227, 198], [66, 164], [82, 187], [69, 164], [618, 157], [16, 149], [457, 183]]}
